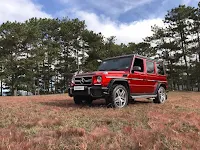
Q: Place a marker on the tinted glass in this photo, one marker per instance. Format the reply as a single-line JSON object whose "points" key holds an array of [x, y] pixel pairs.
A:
{"points": [[150, 67], [116, 64], [139, 62]]}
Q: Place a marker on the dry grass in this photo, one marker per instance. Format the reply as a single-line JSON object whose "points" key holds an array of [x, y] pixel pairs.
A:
{"points": [[54, 122]]}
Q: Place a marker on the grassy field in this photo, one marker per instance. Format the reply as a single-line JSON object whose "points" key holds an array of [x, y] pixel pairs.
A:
{"points": [[54, 122]]}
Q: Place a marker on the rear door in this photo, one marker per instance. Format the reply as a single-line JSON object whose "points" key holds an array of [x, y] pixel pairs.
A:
{"points": [[161, 74], [151, 78]]}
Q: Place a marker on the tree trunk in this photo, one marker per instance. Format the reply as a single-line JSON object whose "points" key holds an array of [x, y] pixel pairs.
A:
{"points": [[178, 87], [172, 80], [27, 91], [183, 46], [15, 92], [198, 49], [12, 85], [188, 83], [182, 86], [1, 88], [77, 60], [174, 84], [64, 83], [56, 83], [66, 78]]}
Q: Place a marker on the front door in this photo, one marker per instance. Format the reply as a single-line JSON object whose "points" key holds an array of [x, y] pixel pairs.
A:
{"points": [[137, 79]]}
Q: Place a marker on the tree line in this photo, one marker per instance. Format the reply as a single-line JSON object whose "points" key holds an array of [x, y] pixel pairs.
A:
{"points": [[40, 55]]}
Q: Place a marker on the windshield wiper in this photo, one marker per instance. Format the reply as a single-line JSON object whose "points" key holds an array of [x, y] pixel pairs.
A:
{"points": [[110, 70], [115, 69]]}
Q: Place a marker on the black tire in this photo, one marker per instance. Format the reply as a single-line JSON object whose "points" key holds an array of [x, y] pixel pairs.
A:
{"points": [[161, 96], [78, 100], [88, 101], [108, 102], [119, 96]]}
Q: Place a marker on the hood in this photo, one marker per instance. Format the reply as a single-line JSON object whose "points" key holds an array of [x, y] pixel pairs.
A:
{"points": [[108, 73]]}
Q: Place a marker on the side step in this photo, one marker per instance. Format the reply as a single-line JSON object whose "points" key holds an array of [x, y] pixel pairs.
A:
{"points": [[143, 96]]}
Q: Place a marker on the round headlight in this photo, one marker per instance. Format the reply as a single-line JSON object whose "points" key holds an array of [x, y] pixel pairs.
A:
{"points": [[99, 79]]}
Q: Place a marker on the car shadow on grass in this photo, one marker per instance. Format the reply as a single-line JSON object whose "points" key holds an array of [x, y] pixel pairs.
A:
{"points": [[70, 104], [95, 104]]}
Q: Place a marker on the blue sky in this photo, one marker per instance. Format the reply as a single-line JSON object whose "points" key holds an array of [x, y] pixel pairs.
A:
{"points": [[119, 10], [128, 20]]}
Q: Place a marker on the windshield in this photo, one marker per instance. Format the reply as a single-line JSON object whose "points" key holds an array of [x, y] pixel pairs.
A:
{"points": [[116, 64]]}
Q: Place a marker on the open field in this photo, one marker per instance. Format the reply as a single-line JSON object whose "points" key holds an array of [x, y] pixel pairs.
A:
{"points": [[54, 122]]}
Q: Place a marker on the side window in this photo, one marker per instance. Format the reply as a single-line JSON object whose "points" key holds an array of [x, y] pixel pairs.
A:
{"points": [[160, 69], [139, 62], [150, 67]]}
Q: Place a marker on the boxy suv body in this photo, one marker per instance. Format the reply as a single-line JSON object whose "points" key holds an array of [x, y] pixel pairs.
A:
{"points": [[121, 79]]}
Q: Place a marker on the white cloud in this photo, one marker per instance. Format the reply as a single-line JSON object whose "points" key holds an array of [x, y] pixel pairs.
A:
{"points": [[125, 33], [109, 7], [116, 7], [188, 2], [20, 10]]}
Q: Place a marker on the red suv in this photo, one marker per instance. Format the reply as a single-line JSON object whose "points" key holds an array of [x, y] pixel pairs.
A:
{"points": [[121, 79]]}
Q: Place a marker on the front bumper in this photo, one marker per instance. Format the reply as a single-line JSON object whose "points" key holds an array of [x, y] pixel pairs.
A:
{"points": [[93, 91]]}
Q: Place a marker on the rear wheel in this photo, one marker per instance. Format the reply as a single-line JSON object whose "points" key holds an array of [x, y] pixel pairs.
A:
{"points": [[161, 95], [119, 98]]}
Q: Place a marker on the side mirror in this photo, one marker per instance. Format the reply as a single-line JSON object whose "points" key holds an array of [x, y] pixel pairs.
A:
{"points": [[136, 68]]}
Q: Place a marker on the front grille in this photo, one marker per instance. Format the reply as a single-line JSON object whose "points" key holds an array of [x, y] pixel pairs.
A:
{"points": [[83, 80]]}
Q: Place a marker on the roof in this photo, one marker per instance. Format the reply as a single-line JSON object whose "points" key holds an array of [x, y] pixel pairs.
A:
{"points": [[144, 57], [119, 56]]}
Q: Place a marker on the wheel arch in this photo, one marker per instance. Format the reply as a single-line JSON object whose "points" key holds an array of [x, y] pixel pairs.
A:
{"points": [[159, 85], [163, 85], [123, 82]]}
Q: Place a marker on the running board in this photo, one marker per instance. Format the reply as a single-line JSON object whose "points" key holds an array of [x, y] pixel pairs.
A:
{"points": [[143, 96]]}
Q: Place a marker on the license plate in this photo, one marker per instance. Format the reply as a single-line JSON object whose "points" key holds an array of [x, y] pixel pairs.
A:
{"points": [[78, 88]]}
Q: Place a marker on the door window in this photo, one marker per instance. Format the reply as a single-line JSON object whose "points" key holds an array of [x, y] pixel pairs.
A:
{"points": [[140, 63], [150, 67]]}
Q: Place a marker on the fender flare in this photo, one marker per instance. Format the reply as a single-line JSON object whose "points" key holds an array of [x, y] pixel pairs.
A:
{"points": [[158, 85], [120, 80]]}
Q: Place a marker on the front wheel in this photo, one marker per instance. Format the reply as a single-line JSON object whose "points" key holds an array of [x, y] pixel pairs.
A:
{"points": [[88, 100], [161, 96], [77, 100], [119, 96]]}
